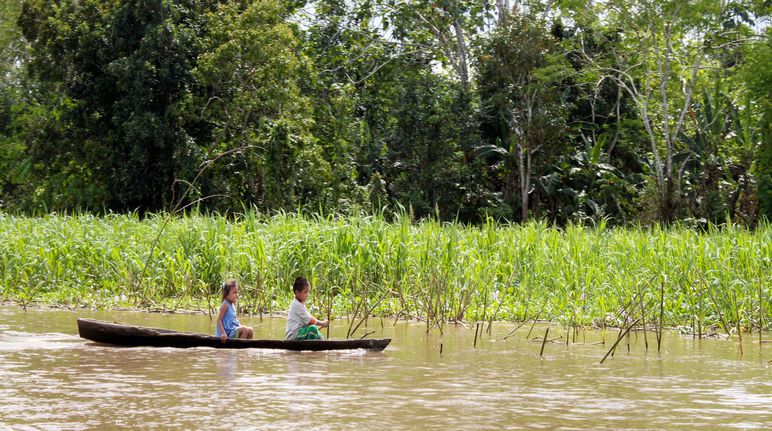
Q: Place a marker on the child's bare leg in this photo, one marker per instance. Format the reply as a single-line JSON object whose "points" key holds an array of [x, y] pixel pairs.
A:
{"points": [[245, 332]]}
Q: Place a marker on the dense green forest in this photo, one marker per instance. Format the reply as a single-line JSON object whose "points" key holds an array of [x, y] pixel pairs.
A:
{"points": [[566, 111]]}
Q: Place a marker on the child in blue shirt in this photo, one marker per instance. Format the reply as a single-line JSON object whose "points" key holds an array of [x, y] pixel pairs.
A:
{"points": [[227, 324]]}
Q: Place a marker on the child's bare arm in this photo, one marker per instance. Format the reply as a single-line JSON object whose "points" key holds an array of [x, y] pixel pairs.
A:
{"points": [[319, 323], [223, 310]]}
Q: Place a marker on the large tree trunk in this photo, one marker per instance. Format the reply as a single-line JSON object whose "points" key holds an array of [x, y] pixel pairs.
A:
{"points": [[526, 184], [641, 81], [669, 197], [523, 171], [463, 71], [503, 9]]}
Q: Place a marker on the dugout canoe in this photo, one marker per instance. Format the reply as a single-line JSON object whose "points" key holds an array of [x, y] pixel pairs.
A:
{"points": [[129, 335]]}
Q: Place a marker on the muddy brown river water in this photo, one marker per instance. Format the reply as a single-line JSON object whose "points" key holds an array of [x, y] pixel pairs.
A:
{"points": [[52, 379]]}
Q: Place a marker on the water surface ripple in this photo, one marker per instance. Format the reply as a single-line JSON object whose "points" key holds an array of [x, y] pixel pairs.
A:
{"points": [[52, 379]]}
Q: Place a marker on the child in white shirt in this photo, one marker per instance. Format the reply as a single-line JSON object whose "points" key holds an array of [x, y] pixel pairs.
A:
{"points": [[300, 324]]}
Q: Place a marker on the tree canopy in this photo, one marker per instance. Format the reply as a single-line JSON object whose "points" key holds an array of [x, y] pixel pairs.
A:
{"points": [[642, 111]]}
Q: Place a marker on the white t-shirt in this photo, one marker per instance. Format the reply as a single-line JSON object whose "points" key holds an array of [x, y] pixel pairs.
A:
{"points": [[297, 318]]}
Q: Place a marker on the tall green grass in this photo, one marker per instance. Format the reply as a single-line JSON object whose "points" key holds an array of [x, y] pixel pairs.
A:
{"points": [[428, 270]]}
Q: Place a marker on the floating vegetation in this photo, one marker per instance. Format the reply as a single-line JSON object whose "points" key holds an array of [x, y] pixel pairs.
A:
{"points": [[698, 282]]}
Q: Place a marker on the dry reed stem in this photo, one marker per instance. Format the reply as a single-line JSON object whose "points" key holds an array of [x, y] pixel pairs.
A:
{"points": [[353, 318], [553, 340], [541, 352], [619, 339], [367, 313], [699, 318], [530, 330], [761, 314], [476, 330], [533, 317], [643, 316], [738, 311], [661, 313]]}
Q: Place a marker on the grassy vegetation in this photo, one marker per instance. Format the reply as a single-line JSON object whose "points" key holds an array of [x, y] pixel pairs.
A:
{"points": [[428, 270]]}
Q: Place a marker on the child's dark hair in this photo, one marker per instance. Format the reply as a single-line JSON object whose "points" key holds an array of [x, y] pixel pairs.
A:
{"points": [[229, 285], [299, 284]]}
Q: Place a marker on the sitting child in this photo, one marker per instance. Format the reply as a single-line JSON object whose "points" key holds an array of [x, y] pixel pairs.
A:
{"points": [[227, 324], [300, 324]]}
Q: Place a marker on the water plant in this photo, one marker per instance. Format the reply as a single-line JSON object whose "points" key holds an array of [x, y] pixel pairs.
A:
{"points": [[363, 266]]}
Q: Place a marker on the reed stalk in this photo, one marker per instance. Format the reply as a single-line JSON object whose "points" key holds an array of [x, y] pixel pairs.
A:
{"points": [[620, 335], [700, 316], [761, 315], [619, 338], [530, 330], [532, 318], [353, 319], [541, 352], [119, 261], [329, 311], [643, 316], [739, 312], [661, 314], [369, 311], [629, 303], [476, 330]]}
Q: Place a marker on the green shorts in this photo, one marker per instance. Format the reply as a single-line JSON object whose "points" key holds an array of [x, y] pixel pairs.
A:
{"points": [[310, 332]]}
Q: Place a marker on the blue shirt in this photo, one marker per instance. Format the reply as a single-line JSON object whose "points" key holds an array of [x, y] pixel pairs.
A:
{"points": [[229, 322]]}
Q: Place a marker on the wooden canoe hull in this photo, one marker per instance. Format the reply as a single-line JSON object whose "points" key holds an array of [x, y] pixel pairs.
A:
{"points": [[128, 335]]}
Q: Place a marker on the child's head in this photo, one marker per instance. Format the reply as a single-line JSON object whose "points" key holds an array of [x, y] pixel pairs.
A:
{"points": [[300, 287], [229, 286], [299, 284]]}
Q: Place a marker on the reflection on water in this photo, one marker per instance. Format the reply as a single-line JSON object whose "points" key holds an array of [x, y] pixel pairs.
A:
{"points": [[52, 379]]}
